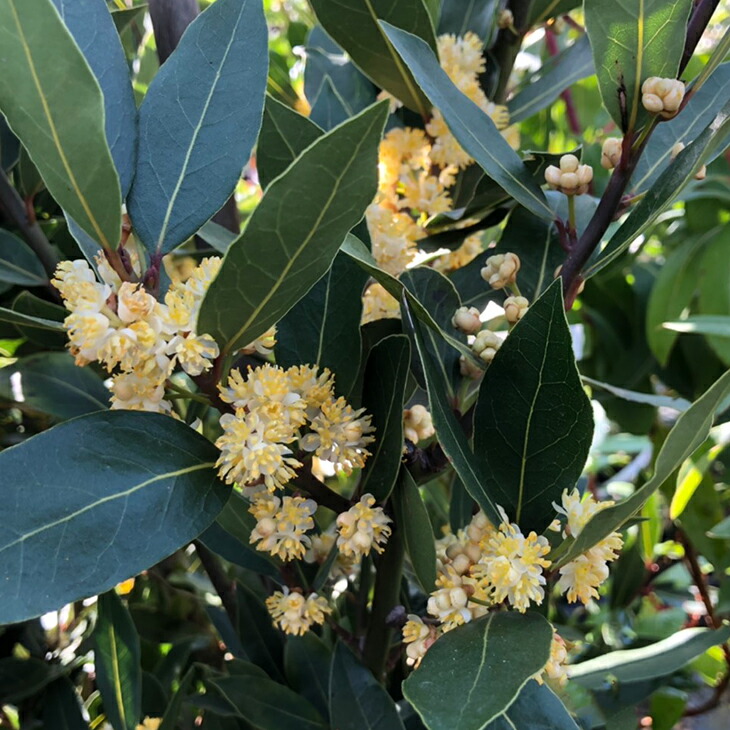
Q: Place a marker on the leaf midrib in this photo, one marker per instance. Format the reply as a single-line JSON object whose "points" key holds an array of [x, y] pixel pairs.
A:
{"points": [[54, 132], [196, 132], [298, 252], [104, 500]]}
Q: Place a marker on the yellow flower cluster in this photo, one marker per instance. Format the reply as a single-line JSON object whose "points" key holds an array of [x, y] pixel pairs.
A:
{"points": [[580, 578], [364, 527], [272, 407], [344, 566], [281, 525], [416, 170], [555, 667], [122, 326], [295, 614], [418, 637]]}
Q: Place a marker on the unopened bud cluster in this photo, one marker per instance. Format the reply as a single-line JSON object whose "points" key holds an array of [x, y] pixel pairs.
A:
{"points": [[501, 270], [662, 96], [467, 320], [515, 308], [611, 153], [417, 424], [571, 178]]}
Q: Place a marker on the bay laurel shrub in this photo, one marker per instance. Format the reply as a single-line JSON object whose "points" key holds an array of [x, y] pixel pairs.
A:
{"points": [[363, 364]]}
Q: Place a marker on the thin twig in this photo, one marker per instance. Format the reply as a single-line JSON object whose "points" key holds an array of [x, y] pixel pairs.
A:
{"points": [[320, 492], [14, 208]]}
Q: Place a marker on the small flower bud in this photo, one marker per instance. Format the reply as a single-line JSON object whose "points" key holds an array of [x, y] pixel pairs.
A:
{"points": [[662, 96], [501, 270], [467, 320], [515, 308], [506, 19], [571, 178], [486, 345], [611, 153], [417, 424]]}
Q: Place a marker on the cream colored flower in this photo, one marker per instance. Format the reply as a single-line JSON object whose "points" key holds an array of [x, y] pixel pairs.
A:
{"points": [[364, 527], [418, 637], [281, 525], [295, 614], [450, 603], [555, 667], [513, 565]]}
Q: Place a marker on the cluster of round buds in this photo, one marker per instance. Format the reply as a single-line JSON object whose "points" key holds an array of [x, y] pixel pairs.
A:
{"points": [[295, 614], [515, 308], [466, 319], [501, 270], [611, 152], [486, 344], [701, 174], [555, 667], [662, 96], [363, 528], [571, 178], [417, 424], [418, 637]]}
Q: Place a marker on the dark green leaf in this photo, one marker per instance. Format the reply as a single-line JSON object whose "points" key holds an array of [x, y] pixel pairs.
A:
{"points": [[536, 708], [439, 297], [22, 678], [474, 130], [673, 291], [412, 516], [117, 661], [573, 64], [461, 506], [714, 300], [353, 24], [323, 328], [31, 182], [124, 17], [307, 663], [9, 146], [32, 316], [172, 713], [699, 112], [384, 386], [448, 429], [357, 700], [533, 423], [357, 250], [669, 184], [198, 123], [285, 134], [688, 433], [294, 233], [18, 264], [62, 707], [334, 87], [458, 17], [268, 705], [479, 669], [45, 83], [656, 660], [51, 383], [127, 490], [93, 29], [632, 41], [261, 641]]}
